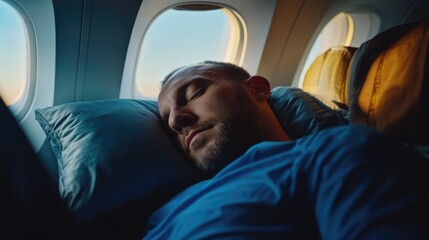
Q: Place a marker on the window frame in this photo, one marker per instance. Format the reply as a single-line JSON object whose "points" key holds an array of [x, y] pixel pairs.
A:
{"points": [[238, 45], [22, 105], [41, 26]]}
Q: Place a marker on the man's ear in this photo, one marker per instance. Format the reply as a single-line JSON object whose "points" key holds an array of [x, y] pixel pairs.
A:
{"points": [[261, 87]]}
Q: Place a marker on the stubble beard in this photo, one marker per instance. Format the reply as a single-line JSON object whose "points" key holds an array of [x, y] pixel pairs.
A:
{"points": [[235, 133]]}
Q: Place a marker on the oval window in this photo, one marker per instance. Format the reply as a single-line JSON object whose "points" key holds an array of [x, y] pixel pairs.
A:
{"points": [[183, 35], [14, 57]]}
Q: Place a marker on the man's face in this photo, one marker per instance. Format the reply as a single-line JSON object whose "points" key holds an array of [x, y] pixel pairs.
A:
{"points": [[212, 117]]}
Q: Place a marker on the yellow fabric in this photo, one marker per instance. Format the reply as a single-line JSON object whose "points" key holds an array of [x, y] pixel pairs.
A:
{"points": [[326, 76], [390, 96]]}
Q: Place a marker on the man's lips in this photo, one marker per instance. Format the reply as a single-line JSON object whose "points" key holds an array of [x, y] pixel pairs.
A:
{"points": [[192, 134]]}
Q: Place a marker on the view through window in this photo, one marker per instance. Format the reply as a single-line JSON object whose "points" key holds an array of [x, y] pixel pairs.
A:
{"points": [[185, 35]]}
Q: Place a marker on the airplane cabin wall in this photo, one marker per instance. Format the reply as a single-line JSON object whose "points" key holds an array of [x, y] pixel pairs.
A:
{"points": [[92, 38], [293, 25], [391, 12], [93, 35], [419, 10], [92, 42]]}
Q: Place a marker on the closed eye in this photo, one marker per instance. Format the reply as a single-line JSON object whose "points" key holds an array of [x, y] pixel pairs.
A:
{"points": [[197, 93]]}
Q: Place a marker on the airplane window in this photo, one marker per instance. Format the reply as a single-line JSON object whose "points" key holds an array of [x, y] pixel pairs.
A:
{"points": [[345, 29], [14, 49], [184, 35]]}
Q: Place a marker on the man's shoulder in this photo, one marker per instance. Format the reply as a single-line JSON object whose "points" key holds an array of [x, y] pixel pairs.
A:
{"points": [[340, 135]]}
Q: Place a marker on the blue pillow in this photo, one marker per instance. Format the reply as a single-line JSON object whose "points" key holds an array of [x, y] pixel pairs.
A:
{"points": [[301, 114], [116, 165]]}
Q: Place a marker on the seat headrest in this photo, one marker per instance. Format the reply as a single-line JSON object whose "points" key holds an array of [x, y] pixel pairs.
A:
{"points": [[326, 76], [389, 82]]}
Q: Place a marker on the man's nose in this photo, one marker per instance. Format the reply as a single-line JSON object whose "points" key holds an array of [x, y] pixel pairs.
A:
{"points": [[181, 118]]}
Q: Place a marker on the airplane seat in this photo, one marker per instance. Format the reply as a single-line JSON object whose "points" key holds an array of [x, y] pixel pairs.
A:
{"points": [[388, 83], [326, 77], [30, 206]]}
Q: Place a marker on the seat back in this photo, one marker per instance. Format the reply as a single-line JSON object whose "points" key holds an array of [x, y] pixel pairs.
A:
{"points": [[388, 83], [29, 204], [326, 76]]}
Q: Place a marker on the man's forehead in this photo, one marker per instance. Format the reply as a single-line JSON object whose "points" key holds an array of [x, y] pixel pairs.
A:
{"points": [[190, 72], [183, 76]]}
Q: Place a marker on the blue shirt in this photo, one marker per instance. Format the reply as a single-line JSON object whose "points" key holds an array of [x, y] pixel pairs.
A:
{"points": [[344, 183]]}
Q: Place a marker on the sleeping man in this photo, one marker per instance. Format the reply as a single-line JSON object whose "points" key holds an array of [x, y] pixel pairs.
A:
{"points": [[347, 182]]}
